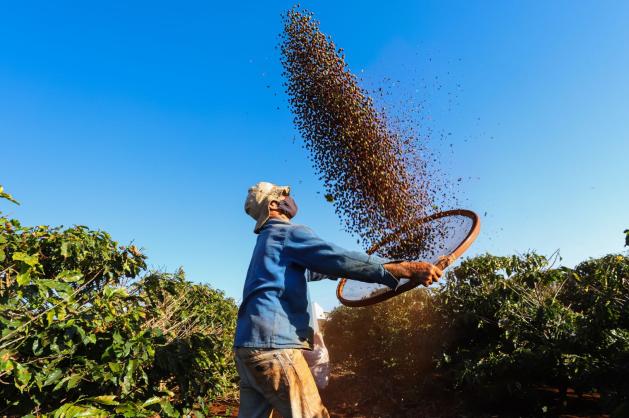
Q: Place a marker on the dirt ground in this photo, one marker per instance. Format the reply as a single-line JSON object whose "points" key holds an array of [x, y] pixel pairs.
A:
{"points": [[348, 396]]}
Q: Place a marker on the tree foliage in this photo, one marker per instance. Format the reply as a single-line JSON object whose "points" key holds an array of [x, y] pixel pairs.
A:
{"points": [[87, 331], [500, 329]]}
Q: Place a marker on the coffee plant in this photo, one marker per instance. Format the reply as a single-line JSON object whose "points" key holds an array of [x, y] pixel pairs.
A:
{"points": [[85, 330], [501, 330]]}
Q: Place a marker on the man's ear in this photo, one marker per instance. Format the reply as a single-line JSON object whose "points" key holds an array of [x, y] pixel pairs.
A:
{"points": [[274, 204]]}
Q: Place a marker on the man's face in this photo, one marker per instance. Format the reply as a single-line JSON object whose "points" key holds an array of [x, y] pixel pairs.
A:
{"points": [[288, 206]]}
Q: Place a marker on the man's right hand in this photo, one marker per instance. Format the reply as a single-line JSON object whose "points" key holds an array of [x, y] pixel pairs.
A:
{"points": [[417, 271]]}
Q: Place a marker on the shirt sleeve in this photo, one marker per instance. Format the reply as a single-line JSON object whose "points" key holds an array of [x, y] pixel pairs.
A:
{"points": [[330, 260], [313, 276]]}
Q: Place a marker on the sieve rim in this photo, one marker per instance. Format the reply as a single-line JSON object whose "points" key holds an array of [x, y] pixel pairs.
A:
{"points": [[443, 263]]}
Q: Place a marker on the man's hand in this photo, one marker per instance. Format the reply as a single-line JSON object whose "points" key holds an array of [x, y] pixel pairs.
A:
{"points": [[417, 271]]}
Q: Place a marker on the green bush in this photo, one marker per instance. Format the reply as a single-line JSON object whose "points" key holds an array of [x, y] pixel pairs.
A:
{"points": [[86, 331], [383, 343], [514, 324], [499, 329]]}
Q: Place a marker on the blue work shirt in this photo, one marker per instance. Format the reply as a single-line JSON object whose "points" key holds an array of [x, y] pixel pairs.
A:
{"points": [[274, 310]]}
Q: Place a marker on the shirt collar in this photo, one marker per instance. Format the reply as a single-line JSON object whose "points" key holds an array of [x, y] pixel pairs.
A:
{"points": [[275, 221]]}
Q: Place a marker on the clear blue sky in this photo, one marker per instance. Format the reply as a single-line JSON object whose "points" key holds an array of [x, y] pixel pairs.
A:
{"points": [[151, 119]]}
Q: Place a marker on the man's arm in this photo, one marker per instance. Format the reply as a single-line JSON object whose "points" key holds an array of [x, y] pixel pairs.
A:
{"points": [[331, 260], [313, 276]]}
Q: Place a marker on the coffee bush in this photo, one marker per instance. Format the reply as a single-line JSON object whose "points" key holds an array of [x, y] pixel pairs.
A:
{"points": [[85, 330], [500, 330]]}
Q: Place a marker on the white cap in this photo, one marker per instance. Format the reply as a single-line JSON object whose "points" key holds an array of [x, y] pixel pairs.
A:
{"points": [[259, 197]]}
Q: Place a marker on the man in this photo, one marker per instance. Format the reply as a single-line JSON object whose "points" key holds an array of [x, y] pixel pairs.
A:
{"points": [[274, 322]]}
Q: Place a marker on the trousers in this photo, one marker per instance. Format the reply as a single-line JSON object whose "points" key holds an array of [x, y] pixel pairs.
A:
{"points": [[277, 379]]}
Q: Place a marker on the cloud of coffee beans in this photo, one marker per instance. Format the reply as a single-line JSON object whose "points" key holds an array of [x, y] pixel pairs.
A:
{"points": [[371, 172]]}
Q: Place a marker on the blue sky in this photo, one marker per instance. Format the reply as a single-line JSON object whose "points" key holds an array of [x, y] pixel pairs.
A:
{"points": [[150, 120]]}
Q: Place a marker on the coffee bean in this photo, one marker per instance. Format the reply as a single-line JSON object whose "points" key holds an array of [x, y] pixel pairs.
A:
{"points": [[371, 172]]}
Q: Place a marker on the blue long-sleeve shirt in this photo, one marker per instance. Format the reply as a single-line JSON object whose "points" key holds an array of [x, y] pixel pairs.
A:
{"points": [[274, 310]]}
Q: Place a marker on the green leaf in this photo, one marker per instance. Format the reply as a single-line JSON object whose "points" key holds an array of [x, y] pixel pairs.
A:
{"points": [[74, 380], [2, 255], [152, 401], [110, 291], [105, 399], [4, 195], [71, 381], [118, 338], [64, 249], [62, 410], [50, 316], [129, 381], [23, 376], [60, 384], [129, 410], [168, 409], [56, 285], [31, 260], [115, 367], [53, 377], [80, 411], [24, 279], [70, 276], [37, 350], [6, 362]]}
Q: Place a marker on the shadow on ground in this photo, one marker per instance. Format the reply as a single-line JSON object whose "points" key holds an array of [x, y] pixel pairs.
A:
{"points": [[350, 396]]}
